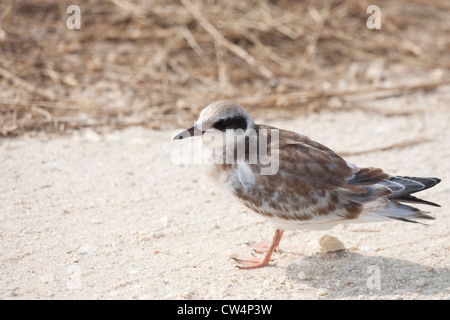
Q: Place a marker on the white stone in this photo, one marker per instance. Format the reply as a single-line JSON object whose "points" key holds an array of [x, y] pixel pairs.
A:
{"points": [[330, 244], [302, 275]]}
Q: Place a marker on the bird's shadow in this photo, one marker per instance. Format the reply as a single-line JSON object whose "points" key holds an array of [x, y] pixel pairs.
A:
{"points": [[345, 274]]}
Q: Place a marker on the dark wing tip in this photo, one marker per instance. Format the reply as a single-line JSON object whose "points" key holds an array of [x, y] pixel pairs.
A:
{"points": [[437, 180], [412, 199]]}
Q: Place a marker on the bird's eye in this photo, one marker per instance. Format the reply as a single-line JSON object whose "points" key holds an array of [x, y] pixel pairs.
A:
{"points": [[226, 122], [230, 123], [222, 124]]}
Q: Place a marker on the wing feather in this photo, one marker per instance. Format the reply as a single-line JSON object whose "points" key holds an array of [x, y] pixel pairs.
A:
{"points": [[313, 180]]}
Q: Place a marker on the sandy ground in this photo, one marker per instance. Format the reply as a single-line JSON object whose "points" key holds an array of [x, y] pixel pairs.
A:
{"points": [[107, 215]]}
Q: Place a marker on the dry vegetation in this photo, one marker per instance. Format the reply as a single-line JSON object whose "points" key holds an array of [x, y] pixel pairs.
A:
{"points": [[156, 63]]}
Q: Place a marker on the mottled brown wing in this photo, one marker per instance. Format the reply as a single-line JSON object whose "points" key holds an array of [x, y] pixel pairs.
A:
{"points": [[306, 165]]}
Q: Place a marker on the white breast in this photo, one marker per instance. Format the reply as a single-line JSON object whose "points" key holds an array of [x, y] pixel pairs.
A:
{"points": [[245, 176]]}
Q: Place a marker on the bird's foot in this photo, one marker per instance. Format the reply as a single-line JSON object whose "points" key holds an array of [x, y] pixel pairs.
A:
{"points": [[253, 263]]}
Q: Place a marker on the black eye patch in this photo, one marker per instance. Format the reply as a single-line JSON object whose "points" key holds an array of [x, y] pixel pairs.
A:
{"points": [[234, 123]]}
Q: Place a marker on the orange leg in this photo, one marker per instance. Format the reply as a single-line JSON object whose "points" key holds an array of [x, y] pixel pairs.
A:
{"points": [[256, 263]]}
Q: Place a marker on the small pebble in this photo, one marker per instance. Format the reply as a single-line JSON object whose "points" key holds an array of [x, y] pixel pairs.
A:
{"points": [[186, 295], [420, 282], [322, 292], [302, 275], [165, 221], [330, 244], [158, 234]]}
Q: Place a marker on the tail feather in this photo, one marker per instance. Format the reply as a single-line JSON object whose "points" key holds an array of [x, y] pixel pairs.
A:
{"points": [[403, 212], [412, 199], [385, 195], [398, 210], [411, 185]]}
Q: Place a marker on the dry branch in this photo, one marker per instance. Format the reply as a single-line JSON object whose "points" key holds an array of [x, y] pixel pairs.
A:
{"points": [[163, 60], [401, 144], [26, 85], [287, 98], [221, 40]]}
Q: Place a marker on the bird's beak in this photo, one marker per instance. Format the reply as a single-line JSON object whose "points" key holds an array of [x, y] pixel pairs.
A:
{"points": [[189, 132]]}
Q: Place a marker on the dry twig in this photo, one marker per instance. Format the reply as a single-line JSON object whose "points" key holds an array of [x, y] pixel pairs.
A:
{"points": [[401, 144], [164, 60]]}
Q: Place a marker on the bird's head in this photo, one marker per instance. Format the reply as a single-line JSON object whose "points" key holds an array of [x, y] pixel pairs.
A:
{"points": [[219, 118]]}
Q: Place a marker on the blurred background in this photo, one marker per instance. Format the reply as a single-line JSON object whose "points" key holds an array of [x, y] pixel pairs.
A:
{"points": [[158, 63]]}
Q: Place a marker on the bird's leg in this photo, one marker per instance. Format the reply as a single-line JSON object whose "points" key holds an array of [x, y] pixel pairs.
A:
{"points": [[256, 263]]}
